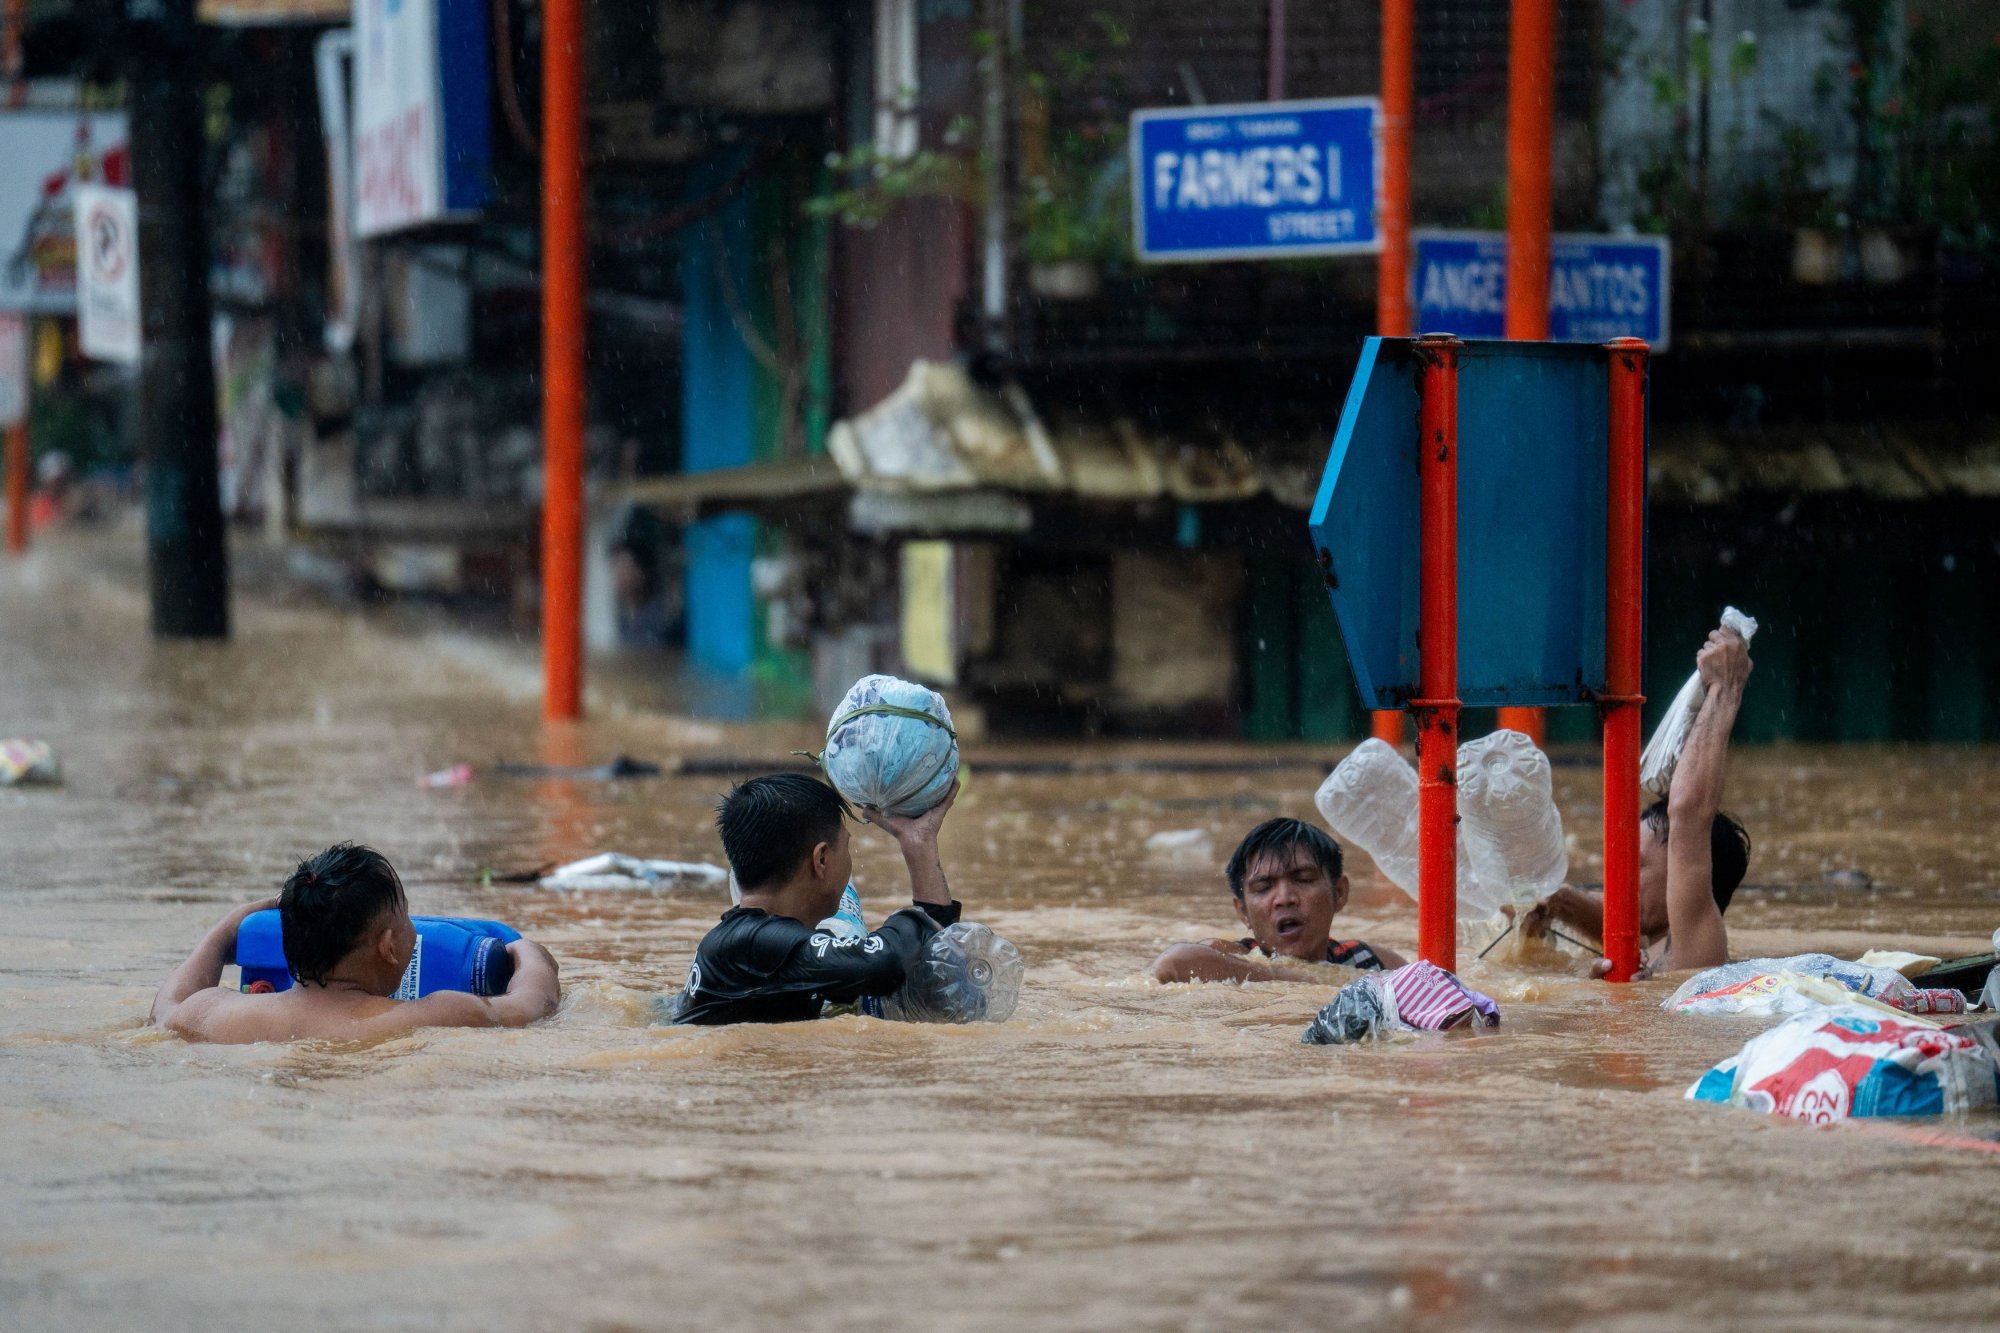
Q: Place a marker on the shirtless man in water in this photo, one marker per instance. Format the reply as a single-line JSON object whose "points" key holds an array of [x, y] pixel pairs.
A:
{"points": [[348, 940], [1691, 855], [1287, 883]]}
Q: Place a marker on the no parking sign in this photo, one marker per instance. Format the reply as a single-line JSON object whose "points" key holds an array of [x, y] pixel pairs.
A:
{"points": [[107, 273]]}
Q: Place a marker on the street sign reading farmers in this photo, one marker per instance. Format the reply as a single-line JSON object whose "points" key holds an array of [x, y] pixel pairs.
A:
{"points": [[107, 273], [1262, 180], [1533, 420], [1600, 287], [422, 150]]}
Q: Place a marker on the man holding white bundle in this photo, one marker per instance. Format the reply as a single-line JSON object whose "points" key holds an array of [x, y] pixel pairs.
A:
{"points": [[1691, 855]]}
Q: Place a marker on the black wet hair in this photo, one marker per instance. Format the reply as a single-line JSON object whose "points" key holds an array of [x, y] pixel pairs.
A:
{"points": [[1728, 849], [1278, 837], [770, 825], [330, 903]]}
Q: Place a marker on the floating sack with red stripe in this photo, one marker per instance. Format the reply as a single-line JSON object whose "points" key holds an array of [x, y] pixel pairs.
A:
{"points": [[1766, 986], [1417, 997], [1855, 1060]]}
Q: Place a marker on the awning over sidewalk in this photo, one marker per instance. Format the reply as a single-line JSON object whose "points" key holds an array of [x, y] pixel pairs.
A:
{"points": [[274, 13], [943, 432]]}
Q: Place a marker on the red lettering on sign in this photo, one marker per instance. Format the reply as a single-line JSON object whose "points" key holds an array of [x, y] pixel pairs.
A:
{"points": [[395, 161]]}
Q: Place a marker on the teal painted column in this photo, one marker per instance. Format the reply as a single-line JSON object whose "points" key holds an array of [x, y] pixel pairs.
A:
{"points": [[1860, 645], [1327, 707], [1957, 638], [1270, 652]]}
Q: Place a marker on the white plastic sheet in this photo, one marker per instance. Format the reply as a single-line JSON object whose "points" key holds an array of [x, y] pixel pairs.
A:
{"points": [[890, 745], [1663, 752]]}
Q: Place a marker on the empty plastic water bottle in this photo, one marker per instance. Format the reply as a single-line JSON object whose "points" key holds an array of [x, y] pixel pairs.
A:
{"points": [[1370, 802], [847, 922], [1508, 822], [967, 975]]}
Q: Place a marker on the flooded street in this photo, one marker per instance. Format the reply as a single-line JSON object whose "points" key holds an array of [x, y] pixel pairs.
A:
{"points": [[1121, 1155]]}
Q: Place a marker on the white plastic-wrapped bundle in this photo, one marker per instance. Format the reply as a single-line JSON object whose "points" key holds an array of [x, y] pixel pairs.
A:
{"points": [[1663, 752], [1508, 822], [1370, 802], [890, 745]]}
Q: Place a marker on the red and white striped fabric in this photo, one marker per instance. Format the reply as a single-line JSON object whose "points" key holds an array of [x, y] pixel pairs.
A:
{"points": [[1426, 996]]}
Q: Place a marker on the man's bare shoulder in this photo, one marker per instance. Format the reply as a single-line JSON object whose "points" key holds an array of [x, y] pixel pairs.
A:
{"points": [[219, 1014], [229, 1017]]}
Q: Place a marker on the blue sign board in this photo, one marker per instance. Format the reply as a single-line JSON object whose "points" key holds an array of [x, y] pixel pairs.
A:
{"points": [[1600, 287], [1261, 180], [1533, 448]]}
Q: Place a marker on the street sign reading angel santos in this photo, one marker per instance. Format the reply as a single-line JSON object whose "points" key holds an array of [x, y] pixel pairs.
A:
{"points": [[1263, 180]]}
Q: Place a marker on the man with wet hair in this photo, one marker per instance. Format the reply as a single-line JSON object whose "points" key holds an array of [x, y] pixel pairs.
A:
{"points": [[1691, 854], [348, 940], [787, 842], [1287, 883]]}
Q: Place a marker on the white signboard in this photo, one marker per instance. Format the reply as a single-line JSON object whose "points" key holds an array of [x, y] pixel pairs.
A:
{"points": [[13, 369], [421, 148], [107, 273], [45, 155], [395, 114]]}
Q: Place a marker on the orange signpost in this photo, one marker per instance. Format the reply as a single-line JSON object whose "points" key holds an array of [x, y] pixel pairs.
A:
{"points": [[1436, 713], [1531, 129], [1392, 274], [562, 358], [1624, 628], [17, 433], [17, 488]]}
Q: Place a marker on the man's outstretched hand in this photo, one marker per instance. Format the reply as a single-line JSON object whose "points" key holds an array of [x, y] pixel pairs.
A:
{"points": [[917, 830]]}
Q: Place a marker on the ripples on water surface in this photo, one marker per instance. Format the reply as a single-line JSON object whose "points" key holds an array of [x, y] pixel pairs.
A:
{"points": [[1122, 1155]]}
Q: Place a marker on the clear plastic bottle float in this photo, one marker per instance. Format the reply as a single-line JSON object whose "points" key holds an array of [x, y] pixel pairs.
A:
{"points": [[1370, 802], [1508, 822], [890, 745], [967, 975]]}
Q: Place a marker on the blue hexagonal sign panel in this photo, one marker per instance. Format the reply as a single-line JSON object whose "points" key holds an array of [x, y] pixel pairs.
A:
{"points": [[1533, 442]]}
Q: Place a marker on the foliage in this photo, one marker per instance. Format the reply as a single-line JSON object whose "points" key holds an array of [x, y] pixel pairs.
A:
{"points": [[874, 182], [1943, 129], [1072, 181]]}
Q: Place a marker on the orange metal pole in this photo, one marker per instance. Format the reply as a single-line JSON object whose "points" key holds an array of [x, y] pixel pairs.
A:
{"points": [[1436, 712], [17, 488], [562, 358], [1624, 628], [1392, 271], [1399, 84], [17, 434], [1531, 130], [12, 52]]}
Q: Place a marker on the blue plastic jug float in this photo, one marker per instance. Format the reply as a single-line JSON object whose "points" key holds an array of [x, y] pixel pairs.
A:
{"points": [[452, 953]]}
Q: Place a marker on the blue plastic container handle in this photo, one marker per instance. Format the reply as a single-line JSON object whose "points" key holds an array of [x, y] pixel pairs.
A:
{"points": [[452, 953]]}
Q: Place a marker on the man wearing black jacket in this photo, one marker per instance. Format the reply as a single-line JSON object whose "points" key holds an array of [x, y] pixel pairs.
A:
{"points": [[787, 840]]}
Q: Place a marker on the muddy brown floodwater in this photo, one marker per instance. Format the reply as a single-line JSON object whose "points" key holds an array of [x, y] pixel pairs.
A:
{"points": [[1122, 1155]]}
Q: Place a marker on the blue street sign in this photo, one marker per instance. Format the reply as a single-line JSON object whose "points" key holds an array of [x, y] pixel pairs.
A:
{"points": [[1600, 287], [1533, 442], [1262, 180]]}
